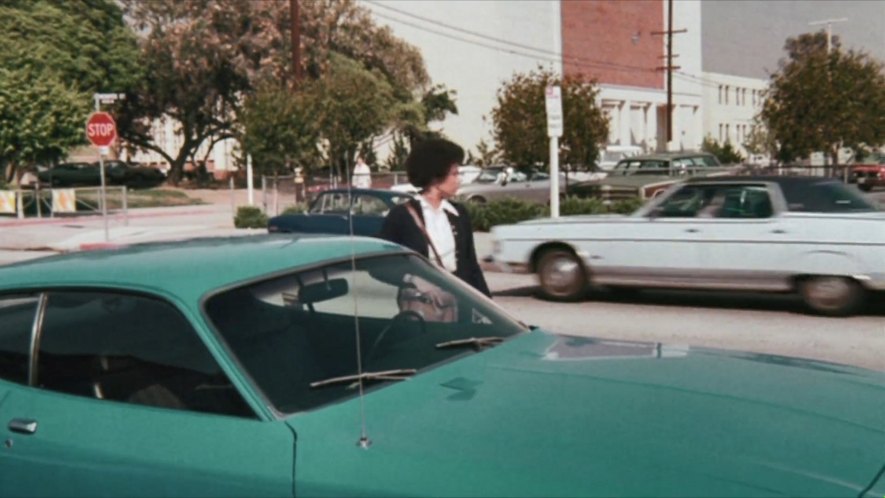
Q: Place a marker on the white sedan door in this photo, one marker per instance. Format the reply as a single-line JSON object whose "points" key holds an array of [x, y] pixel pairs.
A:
{"points": [[664, 248]]}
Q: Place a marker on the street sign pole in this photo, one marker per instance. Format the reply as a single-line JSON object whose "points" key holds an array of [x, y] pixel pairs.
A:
{"points": [[101, 130], [553, 104], [103, 193]]}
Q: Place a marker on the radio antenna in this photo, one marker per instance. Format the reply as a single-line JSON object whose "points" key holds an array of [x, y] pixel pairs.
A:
{"points": [[364, 442]]}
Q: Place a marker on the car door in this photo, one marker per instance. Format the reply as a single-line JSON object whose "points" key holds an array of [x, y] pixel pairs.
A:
{"points": [[661, 248], [746, 242], [123, 398], [369, 212], [328, 214]]}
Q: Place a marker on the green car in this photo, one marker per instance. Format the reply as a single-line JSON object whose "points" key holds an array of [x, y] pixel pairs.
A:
{"points": [[89, 175], [281, 365], [647, 176]]}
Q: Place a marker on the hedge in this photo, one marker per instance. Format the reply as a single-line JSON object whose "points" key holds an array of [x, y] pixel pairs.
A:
{"points": [[250, 217], [507, 211]]}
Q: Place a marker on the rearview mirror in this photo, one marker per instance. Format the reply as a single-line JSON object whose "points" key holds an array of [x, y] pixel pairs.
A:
{"points": [[322, 291]]}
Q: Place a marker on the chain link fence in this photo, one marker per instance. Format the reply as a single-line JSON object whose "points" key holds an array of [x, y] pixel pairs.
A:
{"points": [[57, 202], [281, 192]]}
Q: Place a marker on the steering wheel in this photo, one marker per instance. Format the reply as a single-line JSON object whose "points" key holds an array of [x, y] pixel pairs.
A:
{"points": [[395, 322]]}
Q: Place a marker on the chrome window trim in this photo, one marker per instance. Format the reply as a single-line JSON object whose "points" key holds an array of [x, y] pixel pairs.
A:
{"points": [[36, 332]]}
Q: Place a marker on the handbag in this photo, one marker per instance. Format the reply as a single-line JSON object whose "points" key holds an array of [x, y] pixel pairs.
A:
{"points": [[430, 302]]}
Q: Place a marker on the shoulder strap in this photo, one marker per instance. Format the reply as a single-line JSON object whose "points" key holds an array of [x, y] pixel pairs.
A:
{"points": [[424, 232]]}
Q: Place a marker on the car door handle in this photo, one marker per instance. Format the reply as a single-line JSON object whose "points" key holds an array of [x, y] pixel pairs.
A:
{"points": [[23, 425], [692, 230], [778, 230]]}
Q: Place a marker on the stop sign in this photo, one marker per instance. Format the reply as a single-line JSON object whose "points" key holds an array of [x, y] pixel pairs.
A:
{"points": [[101, 129]]}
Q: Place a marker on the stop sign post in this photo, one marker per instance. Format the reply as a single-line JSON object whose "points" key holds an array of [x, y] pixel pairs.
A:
{"points": [[101, 130]]}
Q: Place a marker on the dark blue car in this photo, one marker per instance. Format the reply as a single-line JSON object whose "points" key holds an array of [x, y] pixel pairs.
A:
{"points": [[331, 210]]}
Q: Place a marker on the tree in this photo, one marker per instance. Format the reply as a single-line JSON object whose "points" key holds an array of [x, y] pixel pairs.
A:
{"points": [[725, 153], [520, 122], [204, 59], [279, 129], [760, 140], [40, 120], [821, 102], [53, 56], [354, 105]]}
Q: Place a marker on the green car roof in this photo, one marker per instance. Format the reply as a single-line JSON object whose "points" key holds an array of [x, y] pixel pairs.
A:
{"points": [[187, 268]]}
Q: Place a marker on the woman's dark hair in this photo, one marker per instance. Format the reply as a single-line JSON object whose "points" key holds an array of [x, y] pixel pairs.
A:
{"points": [[431, 160]]}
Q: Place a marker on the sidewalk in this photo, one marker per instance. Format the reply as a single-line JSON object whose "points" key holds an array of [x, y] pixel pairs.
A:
{"points": [[34, 237]]}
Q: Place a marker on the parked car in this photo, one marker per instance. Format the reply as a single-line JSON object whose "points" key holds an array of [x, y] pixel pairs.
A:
{"points": [[501, 182], [284, 366], [611, 155], [467, 175], [810, 235], [646, 176], [869, 173], [82, 174], [331, 212]]}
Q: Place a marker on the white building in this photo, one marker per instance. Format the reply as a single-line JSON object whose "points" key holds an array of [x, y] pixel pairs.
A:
{"points": [[730, 105]]}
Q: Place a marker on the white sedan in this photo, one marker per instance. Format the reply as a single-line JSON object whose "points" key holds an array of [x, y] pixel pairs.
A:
{"points": [[811, 235]]}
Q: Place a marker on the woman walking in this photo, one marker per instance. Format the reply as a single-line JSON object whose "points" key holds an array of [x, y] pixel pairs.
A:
{"points": [[431, 224]]}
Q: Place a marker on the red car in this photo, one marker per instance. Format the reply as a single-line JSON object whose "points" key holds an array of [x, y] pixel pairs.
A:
{"points": [[869, 173]]}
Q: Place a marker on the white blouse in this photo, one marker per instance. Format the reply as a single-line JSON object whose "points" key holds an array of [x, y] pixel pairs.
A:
{"points": [[440, 231]]}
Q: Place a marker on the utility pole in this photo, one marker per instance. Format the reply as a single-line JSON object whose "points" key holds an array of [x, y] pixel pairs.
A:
{"points": [[295, 15], [829, 23], [669, 67]]}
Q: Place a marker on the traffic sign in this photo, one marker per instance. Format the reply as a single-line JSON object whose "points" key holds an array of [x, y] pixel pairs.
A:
{"points": [[553, 103], [101, 129]]}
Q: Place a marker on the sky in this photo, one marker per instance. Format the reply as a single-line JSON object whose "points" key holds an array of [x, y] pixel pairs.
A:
{"points": [[746, 37]]}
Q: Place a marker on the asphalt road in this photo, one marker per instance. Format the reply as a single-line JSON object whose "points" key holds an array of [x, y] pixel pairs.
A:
{"points": [[763, 323], [772, 324]]}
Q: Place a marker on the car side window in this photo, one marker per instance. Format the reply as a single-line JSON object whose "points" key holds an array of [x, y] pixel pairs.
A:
{"points": [[685, 202], [746, 201], [333, 203], [652, 168], [517, 177], [368, 205], [17, 314], [132, 349]]}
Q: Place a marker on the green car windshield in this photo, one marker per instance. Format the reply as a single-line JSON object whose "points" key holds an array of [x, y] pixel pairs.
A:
{"points": [[296, 335]]}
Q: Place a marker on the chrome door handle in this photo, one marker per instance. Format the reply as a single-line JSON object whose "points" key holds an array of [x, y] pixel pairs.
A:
{"points": [[692, 230], [23, 425], [778, 230]]}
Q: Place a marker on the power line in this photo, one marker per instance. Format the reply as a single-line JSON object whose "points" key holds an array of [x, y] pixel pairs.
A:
{"points": [[550, 56]]}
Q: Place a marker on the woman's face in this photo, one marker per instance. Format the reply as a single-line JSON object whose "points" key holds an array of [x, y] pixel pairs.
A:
{"points": [[449, 185]]}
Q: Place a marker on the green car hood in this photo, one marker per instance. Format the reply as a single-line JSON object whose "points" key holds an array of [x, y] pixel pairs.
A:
{"points": [[547, 415]]}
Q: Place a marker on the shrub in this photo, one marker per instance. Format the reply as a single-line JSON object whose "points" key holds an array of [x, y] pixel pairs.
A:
{"points": [[297, 208], [506, 211], [625, 206], [502, 212], [250, 217]]}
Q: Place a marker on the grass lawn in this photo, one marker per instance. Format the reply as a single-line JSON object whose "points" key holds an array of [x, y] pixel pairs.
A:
{"points": [[155, 197]]}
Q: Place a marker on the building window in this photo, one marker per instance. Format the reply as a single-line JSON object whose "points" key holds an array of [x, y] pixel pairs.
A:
{"points": [[727, 133], [720, 133], [720, 94]]}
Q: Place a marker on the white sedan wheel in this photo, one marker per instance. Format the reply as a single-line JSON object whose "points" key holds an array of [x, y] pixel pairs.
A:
{"points": [[832, 296], [561, 275]]}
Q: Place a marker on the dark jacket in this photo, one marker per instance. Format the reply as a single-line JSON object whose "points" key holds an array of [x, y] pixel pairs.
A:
{"points": [[399, 227]]}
